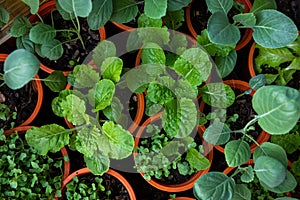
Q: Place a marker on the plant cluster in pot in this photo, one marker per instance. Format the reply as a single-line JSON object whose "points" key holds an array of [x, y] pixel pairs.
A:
{"points": [[59, 46], [25, 174], [278, 112]]}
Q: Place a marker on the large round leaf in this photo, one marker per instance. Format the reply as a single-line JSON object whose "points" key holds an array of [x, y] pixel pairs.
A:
{"points": [[226, 64], [42, 33], [124, 11], [52, 50], [100, 14], [156, 8], [278, 108], [219, 5], [217, 133], [19, 68], [81, 8], [237, 152], [273, 29]]}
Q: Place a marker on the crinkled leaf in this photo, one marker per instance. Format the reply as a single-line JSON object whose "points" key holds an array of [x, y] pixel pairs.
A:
{"points": [[46, 138], [87, 140], [100, 13], [156, 35], [269, 171], [225, 65], [145, 21], [155, 8], [124, 11], [289, 142], [42, 33], [104, 92], [247, 174], [81, 8], [183, 89], [33, 4], [174, 19], [247, 19], [85, 76], [4, 16], [103, 50], [56, 81], [20, 26], [98, 164], [295, 45], [20, 67], [219, 5], [214, 185], [197, 160], [241, 192], [24, 42], [217, 133], [52, 50], [111, 68], [152, 54], [278, 108], [295, 64], [56, 102], [237, 152], [275, 33], [259, 5], [161, 92]]}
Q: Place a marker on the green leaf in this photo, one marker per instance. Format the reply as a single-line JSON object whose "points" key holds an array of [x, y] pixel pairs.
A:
{"points": [[124, 11], [174, 5], [116, 142], [111, 68], [197, 160], [33, 4], [114, 112], [225, 65], [295, 45], [20, 26], [296, 167], [153, 54], [56, 102], [104, 92], [46, 138], [56, 81], [156, 35], [295, 64], [145, 21], [184, 89], [247, 174], [19, 68], [161, 93], [237, 152], [42, 33], [219, 5], [178, 44], [174, 19], [214, 185], [259, 5], [4, 16], [275, 33], [217, 133], [241, 192], [220, 31], [52, 50], [289, 142], [194, 65], [98, 164], [269, 171], [65, 15], [104, 49], [100, 13], [85, 76], [247, 19], [218, 95], [81, 8], [277, 107], [271, 150], [155, 8], [24, 42], [257, 81]]}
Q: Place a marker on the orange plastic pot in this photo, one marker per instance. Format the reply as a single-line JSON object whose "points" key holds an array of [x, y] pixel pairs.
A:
{"points": [[64, 152], [123, 27], [243, 86], [243, 41], [181, 186], [37, 85], [111, 172], [46, 9]]}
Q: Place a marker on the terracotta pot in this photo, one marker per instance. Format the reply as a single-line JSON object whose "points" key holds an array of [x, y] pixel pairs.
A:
{"points": [[110, 172], [44, 10], [246, 38], [37, 85], [243, 86], [174, 187], [64, 152]]}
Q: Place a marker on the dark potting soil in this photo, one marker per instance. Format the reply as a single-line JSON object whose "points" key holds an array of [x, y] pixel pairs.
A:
{"points": [[21, 103], [73, 51], [291, 8]]}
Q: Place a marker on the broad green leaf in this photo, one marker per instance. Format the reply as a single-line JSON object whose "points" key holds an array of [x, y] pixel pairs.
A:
{"points": [[246, 19], [133, 42], [153, 54], [174, 19], [277, 107], [114, 112], [289, 142], [219, 5], [155, 8], [241, 192], [87, 140], [56, 102], [288, 185], [100, 13], [115, 142], [220, 31], [269, 171], [218, 95], [20, 26], [178, 44], [65, 15], [47, 138], [19, 68], [225, 65], [56, 81], [194, 65], [103, 50], [257, 81], [184, 89], [111, 68], [42, 33], [161, 93], [98, 164], [52, 50], [275, 33], [214, 185], [124, 11], [81, 8], [33, 4], [145, 21], [271, 150], [259, 5], [156, 35], [247, 174], [237, 152], [4, 16], [197, 160], [85, 76], [217, 133], [174, 5], [104, 92], [23, 42]]}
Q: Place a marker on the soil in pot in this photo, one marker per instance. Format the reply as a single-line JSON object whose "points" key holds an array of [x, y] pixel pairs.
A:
{"points": [[74, 52], [291, 8]]}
